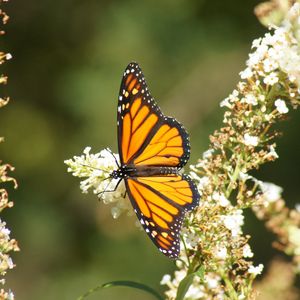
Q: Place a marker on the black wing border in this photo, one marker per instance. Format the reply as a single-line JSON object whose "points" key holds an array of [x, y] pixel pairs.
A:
{"points": [[148, 100], [176, 224]]}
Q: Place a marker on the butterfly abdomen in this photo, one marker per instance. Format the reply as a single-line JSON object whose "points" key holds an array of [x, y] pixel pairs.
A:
{"points": [[144, 171]]}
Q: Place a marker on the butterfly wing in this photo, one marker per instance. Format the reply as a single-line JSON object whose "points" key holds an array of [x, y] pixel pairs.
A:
{"points": [[160, 203], [145, 135]]}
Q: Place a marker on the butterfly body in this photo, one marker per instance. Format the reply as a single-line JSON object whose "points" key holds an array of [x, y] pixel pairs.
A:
{"points": [[142, 171], [153, 149]]}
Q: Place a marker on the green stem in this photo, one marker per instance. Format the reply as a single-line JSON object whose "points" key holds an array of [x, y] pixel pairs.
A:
{"points": [[186, 251], [194, 265], [234, 177], [231, 291]]}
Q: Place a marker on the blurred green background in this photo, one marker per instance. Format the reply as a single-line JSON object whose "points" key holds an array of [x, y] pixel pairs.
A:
{"points": [[68, 59]]}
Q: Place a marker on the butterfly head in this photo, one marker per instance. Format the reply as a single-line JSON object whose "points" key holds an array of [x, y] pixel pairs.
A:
{"points": [[116, 174], [121, 172]]}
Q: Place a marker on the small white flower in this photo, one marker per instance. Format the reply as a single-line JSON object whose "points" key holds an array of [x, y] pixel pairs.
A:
{"points": [[244, 176], [220, 198], [235, 94], [226, 103], [166, 279], [272, 152], [269, 39], [250, 140], [171, 294], [191, 238], [270, 65], [241, 86], [294, 237], [268, 117], [256, 270], [257, 56], [10, 263], [263, 108], [221, 253], [247, 251], [250, 99], [271, 79], [193, 175], [297, 207], [4, 231], [8, 56], [281, 106], [247, 73], [262, 98], [208, 153], [195, 291], [212, 280], [256, 43], [204, 181], [234, 222], [10, 295], [271, 191]]}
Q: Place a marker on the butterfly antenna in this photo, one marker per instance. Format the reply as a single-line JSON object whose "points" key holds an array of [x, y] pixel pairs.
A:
{"points": [[105, 171], [117, 163]]}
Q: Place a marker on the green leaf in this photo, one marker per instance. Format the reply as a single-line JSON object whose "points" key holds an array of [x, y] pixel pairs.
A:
{"points": [[184, 286], [187, 281], [200, 273], [131, 284]]}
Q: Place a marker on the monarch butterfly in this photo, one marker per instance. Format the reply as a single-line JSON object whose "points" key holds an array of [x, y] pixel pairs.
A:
{"points": [[153, 148]]}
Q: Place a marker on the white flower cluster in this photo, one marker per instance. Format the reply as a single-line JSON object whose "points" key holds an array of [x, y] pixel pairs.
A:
{"points": [[96, 169], [273, 54], [198, 290], [281, 106], [191, 239], [270, 192], [6, 295], [220, 199], [256, 270], [208, 288], [5, 260], [234, 222], [294, 238], [247, 252], [250, 140]]}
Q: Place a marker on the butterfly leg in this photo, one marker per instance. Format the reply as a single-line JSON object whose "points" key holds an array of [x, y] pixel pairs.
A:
{"points": [[109, 191]]}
